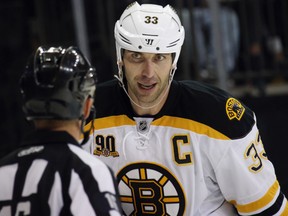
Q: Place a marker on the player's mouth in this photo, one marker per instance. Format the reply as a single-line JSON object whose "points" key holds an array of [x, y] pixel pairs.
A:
{"points": [[146, 86]]}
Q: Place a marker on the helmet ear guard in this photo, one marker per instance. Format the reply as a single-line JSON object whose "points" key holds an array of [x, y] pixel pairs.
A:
{"points": [[149, 28], [56, 83]]}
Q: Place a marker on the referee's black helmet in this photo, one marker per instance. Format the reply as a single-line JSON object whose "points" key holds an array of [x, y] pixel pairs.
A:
{"points": [[56, 83]]}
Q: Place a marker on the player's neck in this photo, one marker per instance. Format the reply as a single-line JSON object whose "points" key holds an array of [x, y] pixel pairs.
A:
{"points": [[153, 110], [149, 109]]}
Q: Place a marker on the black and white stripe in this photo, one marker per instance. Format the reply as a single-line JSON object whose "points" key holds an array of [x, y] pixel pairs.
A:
{"points": [[52, 175]]}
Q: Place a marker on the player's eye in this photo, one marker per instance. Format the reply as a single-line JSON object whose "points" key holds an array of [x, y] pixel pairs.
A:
{"points": [[136, 55], [159, 57]]}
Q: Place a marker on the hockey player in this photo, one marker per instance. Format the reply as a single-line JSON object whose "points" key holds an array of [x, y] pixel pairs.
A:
{"points": [[50, 174], [177, 147]]}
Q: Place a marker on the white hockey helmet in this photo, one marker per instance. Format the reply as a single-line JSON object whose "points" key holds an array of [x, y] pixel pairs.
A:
{"points": [[149, 28]]}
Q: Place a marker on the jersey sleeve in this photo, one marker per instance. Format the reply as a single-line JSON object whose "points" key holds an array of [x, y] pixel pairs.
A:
{"points": [[247, 178]]}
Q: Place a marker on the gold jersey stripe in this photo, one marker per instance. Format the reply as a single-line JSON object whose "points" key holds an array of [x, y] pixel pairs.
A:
{"points": [[285, 211], [111, 121], [262, 202], [191, 125], [168, 121]]}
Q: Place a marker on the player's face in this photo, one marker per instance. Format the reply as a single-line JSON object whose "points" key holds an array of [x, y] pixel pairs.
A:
{"points": [[147, 76]]}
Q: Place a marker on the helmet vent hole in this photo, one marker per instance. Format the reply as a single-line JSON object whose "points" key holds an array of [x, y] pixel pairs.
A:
{"points": [[139, 47], [157, 48]]}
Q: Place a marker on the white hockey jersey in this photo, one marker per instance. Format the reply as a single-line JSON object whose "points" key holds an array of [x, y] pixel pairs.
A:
{"points": [[201, 155]]}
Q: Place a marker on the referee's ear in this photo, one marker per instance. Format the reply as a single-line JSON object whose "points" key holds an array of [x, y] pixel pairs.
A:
{"points": [[87, 107]]}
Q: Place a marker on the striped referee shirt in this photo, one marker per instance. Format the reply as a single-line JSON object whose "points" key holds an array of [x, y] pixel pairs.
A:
{"points": [[51, 175]]}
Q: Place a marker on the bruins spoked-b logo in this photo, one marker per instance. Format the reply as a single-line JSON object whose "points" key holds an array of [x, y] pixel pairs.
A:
{"points": [[150, 189], [234, 109]]}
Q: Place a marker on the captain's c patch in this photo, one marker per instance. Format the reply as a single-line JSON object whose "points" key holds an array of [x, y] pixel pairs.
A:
{"points": [[234, 109]]}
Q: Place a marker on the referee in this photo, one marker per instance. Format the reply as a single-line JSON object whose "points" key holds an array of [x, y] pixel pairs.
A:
{"points": [[49, 174]]}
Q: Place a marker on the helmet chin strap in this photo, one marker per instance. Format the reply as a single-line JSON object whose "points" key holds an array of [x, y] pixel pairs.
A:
{"points": [[120, 79]]}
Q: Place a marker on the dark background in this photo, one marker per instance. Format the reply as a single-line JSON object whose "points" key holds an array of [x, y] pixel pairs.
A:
{"points": [[26, 24]]}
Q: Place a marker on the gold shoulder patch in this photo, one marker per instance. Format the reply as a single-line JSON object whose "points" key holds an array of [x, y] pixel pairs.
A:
{"points": [[234, 109]]}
